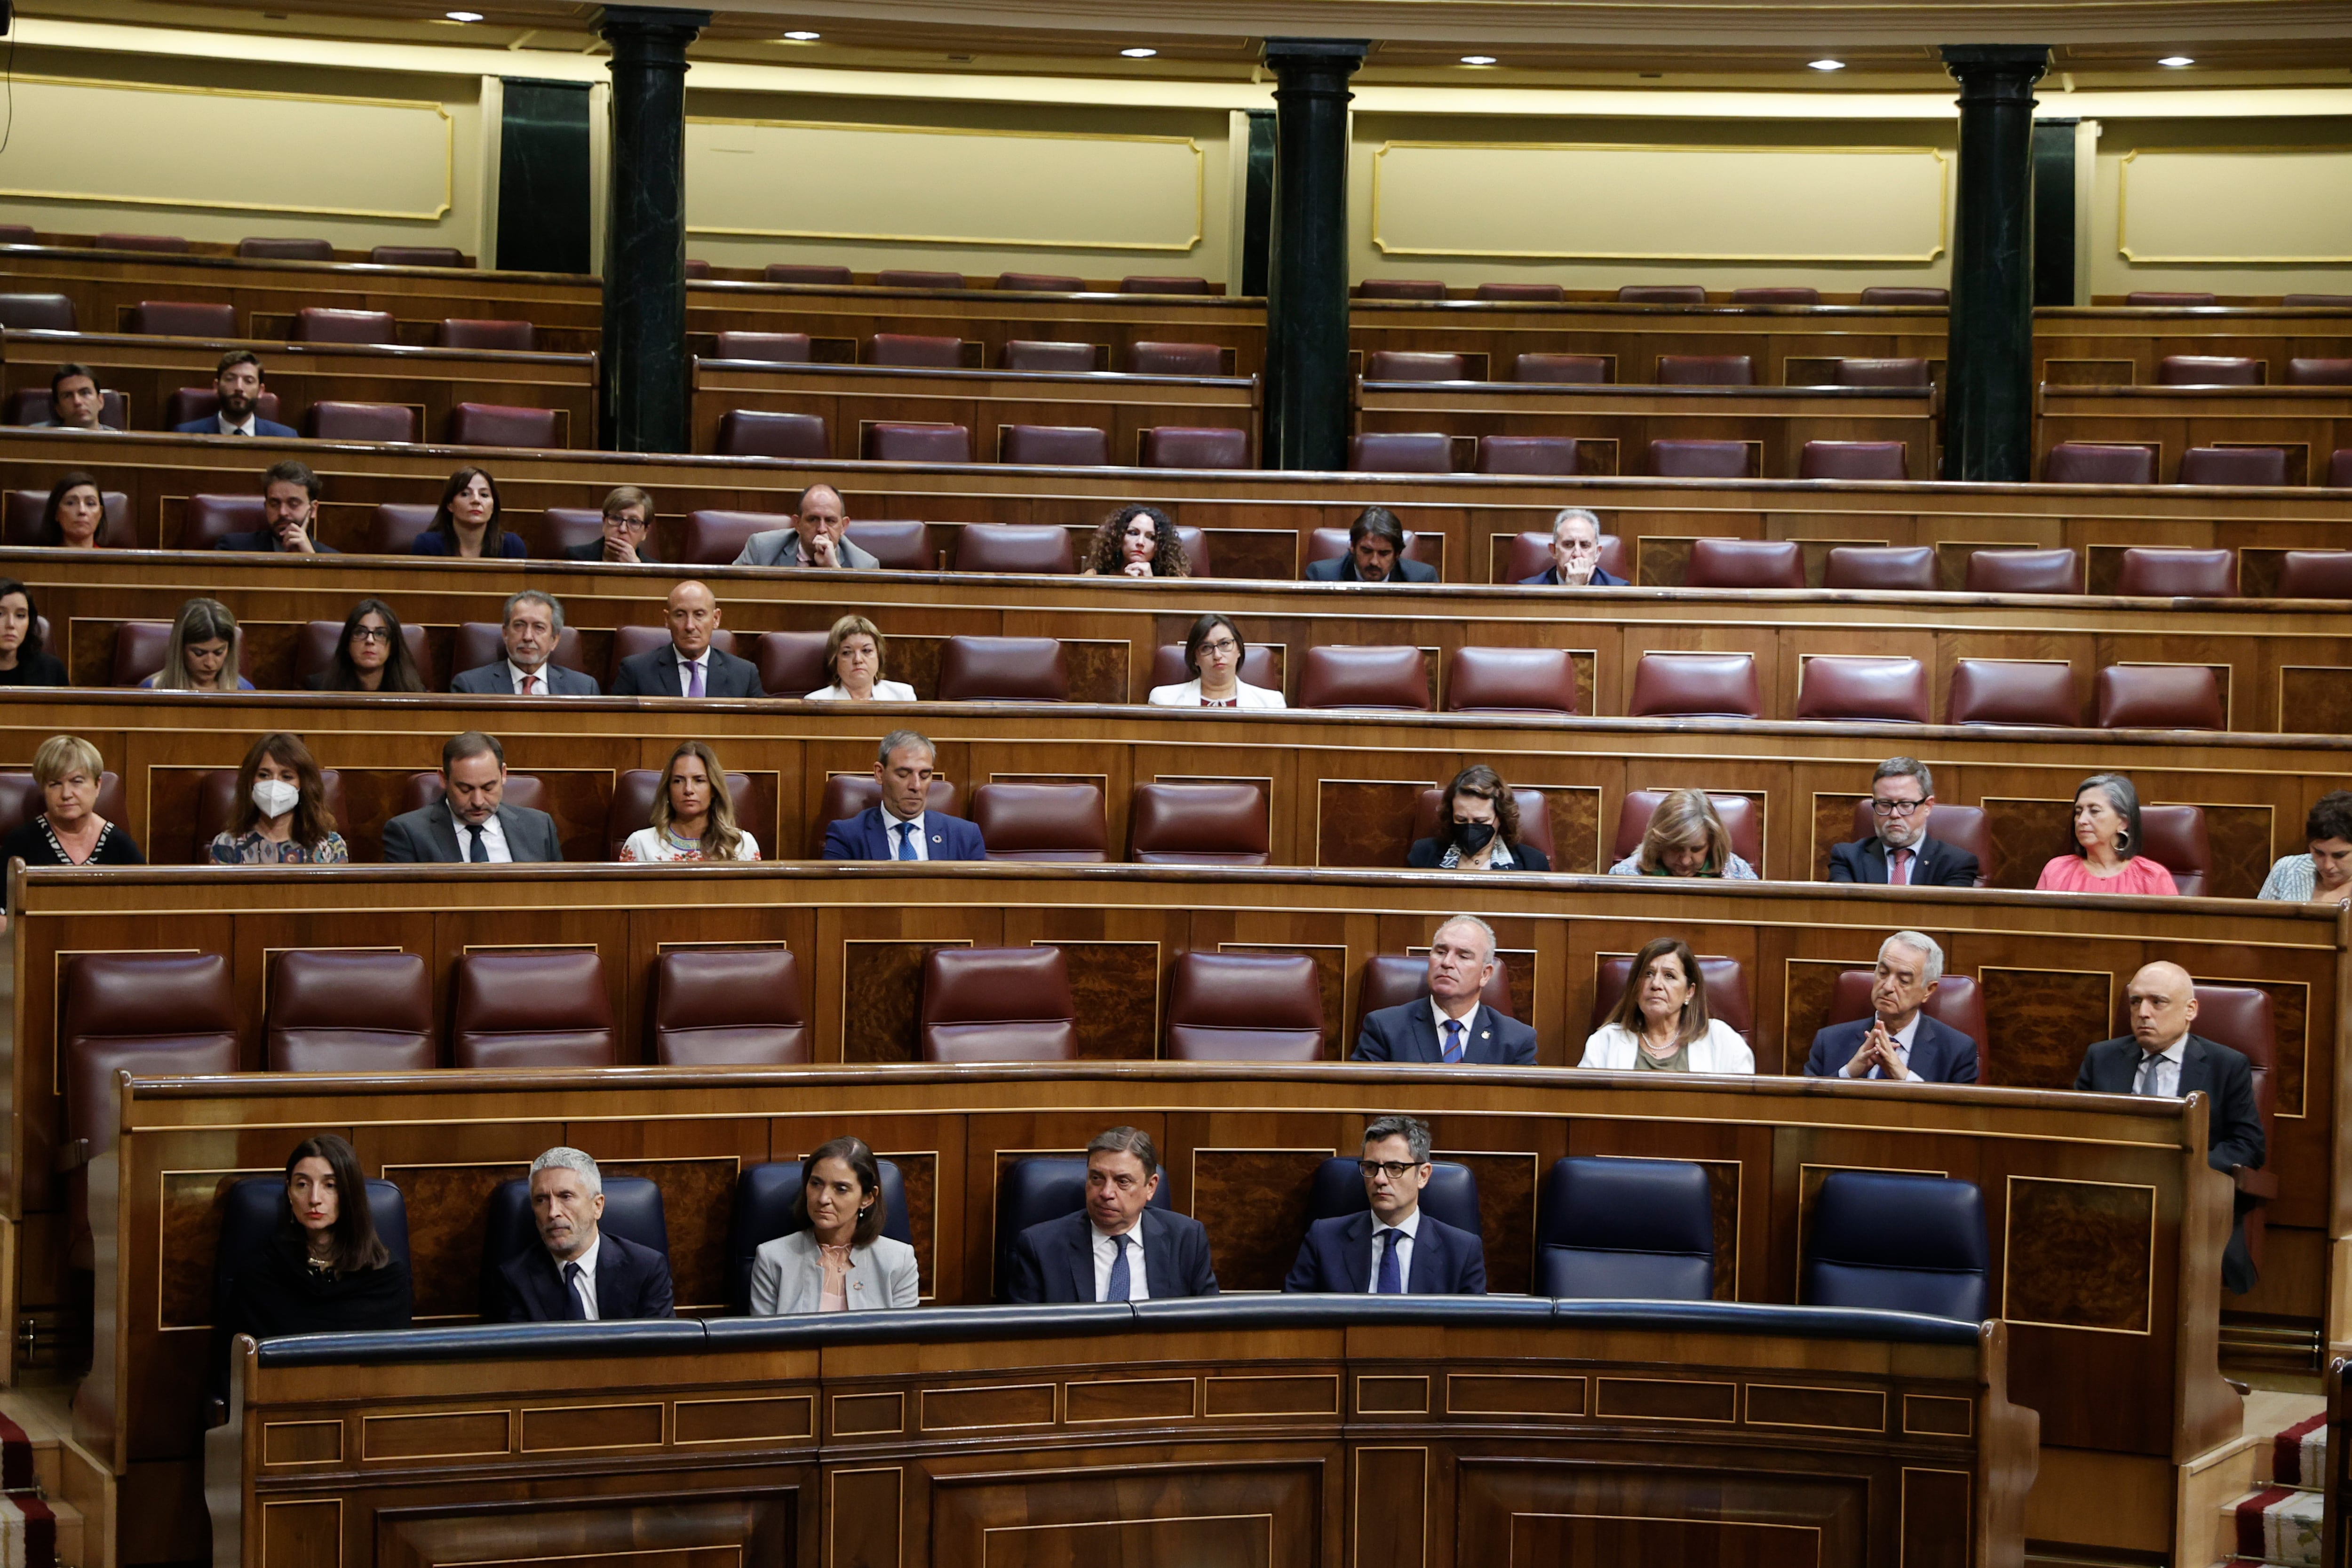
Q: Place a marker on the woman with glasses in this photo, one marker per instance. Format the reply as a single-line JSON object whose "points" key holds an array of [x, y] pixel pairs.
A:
{"points": [[1214, 650], [371, 655]]}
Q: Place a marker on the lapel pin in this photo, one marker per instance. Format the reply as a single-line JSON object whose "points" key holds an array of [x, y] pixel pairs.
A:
{"points": [[1485, 1034], [937, 838]]}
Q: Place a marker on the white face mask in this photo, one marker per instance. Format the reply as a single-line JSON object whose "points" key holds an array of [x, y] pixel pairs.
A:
{"points": [[276, 798]]}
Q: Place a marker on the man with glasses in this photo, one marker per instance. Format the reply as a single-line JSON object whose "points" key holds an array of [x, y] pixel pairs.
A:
{"points": [[1391, 1247], [1575, 554], [1900, 854], [1116, 1247], [1452, 1026], [628, 519]]}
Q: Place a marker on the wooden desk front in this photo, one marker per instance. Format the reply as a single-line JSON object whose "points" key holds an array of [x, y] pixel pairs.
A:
{"points": [[2310, 422], [2120, 345]]}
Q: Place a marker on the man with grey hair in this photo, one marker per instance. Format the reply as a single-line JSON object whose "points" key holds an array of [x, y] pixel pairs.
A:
{"points": [[1453, 1024], [532, 628], [819, 538], [1575, 554], [1898, 1041], [1900, 854], [902, 826], [574, 1272], [1115, 1246], [1389, 1248]]}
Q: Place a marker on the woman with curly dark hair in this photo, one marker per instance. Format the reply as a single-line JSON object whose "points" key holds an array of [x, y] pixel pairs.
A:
{"points": [[1138, 541], [1477, 828]]}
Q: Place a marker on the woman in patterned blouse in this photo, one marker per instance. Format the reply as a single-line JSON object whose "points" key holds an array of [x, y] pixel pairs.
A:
{"points": [[281, 810]]}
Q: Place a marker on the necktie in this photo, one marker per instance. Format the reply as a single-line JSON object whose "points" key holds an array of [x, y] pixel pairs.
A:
{"points": [[694, 682], [576, 1305], [1121, 1281], [2151, 1080], [531, 686], [480, 853], [1453, 1040], [1391, 1282], [906, 832], [1898, 867]]}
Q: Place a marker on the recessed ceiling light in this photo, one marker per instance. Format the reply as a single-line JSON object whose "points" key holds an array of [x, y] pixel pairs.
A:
{"points": [[801, 37], [1827, 65], [1138, 54], [2175, 61], [1477, 59], [465, 15]]}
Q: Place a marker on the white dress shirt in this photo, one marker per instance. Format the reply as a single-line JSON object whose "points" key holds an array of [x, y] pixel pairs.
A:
{"points": [[587, 1261], [242, 429], [494, 839], [1107, 1253], [920, 840], [1902, 1038], [2159, 1075], [517, 675], [1440, 1018], [891, 691], [1403, 1245], [686, 670]]}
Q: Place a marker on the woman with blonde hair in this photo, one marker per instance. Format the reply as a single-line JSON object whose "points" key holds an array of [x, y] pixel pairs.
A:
{"points": [[67, 830], [203, 651], [281, 810], [1685, 838], [693, 816], [1661, 1022], [853, 657]]}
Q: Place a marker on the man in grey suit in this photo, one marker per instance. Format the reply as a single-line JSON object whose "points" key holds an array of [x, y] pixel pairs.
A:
{"points": [[471, 823], [817, 540], [534, 625], [686, 665]]}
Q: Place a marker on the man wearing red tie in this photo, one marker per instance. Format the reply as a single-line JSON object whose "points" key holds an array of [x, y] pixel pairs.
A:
{"points": [[1900, 854], [531, 630]]}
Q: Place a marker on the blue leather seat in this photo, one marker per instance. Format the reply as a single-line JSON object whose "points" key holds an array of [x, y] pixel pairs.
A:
{"points": [[1900, 1243], [256, 1207], [764, 1196], [1452, 1194], [1625, 1230], [1040, 1188], [633, 1211]]}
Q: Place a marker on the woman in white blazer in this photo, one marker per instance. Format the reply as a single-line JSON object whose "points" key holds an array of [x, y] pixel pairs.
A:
{"points": [[1212, 652], [840, 1261], [853, 657], [1660, 1024]]}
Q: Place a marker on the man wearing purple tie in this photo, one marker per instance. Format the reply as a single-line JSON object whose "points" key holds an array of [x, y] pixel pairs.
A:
{"points": [[1452, 1026], [689, 666]]}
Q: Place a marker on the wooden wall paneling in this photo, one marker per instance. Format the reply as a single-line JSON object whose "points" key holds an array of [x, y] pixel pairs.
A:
{"points": [[2121, 345], [2310, 421]]}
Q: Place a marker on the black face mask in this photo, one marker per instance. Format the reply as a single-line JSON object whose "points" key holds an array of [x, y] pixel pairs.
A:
{"points": [[1474, 836]]}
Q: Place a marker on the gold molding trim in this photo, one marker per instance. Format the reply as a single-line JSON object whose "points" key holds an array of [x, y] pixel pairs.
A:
{"points": [[2123, 210]]}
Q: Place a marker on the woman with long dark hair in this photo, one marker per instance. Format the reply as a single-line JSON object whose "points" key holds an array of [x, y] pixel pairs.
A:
{"points": [[467, 522], [372, 655], [22, 661], [281, 810], [324, 1269]]}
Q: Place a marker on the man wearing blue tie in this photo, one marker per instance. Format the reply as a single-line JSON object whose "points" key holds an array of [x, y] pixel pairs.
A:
{"points": [[904, 828], [1452, 1026], [1392, 1248], [1118, 1248]]}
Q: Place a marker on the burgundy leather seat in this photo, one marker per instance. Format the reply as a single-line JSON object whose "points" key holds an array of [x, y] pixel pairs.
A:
{"points": [[2170, 573], [2093, 463], [2159, 697], [1690, 460], [1510, 681], [2056, 571], [2264, 466], [846, 794], [1003, 669], [1907, 373], [216, 808], [1669, 685], [1854, 460], [1706, 370], [1401, 288], [1244, 1007], [205, 521], [2319, 372], [1862, 688], [1725, 978], [2240, 1016], [1195, 545], [284, 250], [630, 641], [792, 664], [1661, 294], [360, 422], [634, 789], [1041, 282], [1400, 452], [2314, 575], [2175, 838], [2210, 370], [350, 1012], [763, 433], [17, 234], [900, 441], [22, 518], [477, 643], [1057, 446], [767, 348], [1139, 283], [1962, 827], [313, 324], [478, 333], [1060, 359], [30, 405], [1042, 822], [189, 404], [915, 350], [1745, 563], [181, 318], [20, 797], [394, 525], [1194, 446], [532, 1009], [417, 256], [1396, 364], [1777, 294], [139, 649], [1535, 819], [809, 272], [2324, 301], [1175, 359], [150, 1013], [1742, 818], [1554, 454], [1221, 824], [160, 243], [998, 1004], [1531, 557], [902, 546], [1957, 1004], [498, 424], [1882, 568], [1384, 679], [1014, 547], [2339, 470], [1904, 294], [38, 313], [1582, 370], [1259, 667], [2014, 691], [2161, 296], [728, 1007], [1393, 979], [1548, 292], [914, 277], [697, 267]]}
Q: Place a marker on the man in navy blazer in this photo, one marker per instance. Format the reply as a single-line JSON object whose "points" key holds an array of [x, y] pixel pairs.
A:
{"points": [[1376, 543], [574, 1272], [687, 666], [1453, 1025], [1392, 1248], [1575, 554], [1118, 1247], [904, 828], [1902, 797], [236, 384], [1898, 1041]]}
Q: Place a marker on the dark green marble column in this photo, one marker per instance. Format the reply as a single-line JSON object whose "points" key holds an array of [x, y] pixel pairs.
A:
{"points": [[645, 402], [1988, 375], [1307, 274]]}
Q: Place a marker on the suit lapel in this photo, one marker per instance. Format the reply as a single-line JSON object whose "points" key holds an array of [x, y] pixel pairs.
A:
{"points": [[1874, 860], [1081, 1257], [1356, 1253], [446, 824], [2196, 1068], [613, 1297], [1424, 1032], [1425, 1251]]}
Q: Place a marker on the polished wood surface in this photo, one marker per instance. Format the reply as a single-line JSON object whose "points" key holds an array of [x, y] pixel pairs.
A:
{"points": [[2115, 345], [2310, 422]]}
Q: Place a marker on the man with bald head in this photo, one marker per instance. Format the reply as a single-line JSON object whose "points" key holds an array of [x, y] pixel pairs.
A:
{"points": [[2161, 1056], [687, 666], [818, 540]]}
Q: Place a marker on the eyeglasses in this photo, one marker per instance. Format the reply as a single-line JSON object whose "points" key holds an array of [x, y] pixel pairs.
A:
{"points": [[372, 634], [1894, 807], [1223, 644], [1397, 1168], [625, 520]]}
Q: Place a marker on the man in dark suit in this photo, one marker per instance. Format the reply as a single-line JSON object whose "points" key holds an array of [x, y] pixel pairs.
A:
{"points": [[471, 823], [1575, 554], [575, 1273], [1898, 1041], [903, 826], [1453, 1025], [532, 628], [290, 514], [236, 384], [2162, 1057], [628, 519], [1902, 797], [1376, 542], [1118, 1247], [689, 666], [1392, 1248]]}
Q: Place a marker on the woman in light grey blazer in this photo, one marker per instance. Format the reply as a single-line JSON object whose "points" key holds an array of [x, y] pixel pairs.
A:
{"points": [[839, 1260]]}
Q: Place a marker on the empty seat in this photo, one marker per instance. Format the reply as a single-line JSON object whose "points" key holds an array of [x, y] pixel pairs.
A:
{"points": [[1854, 460], [2210, 370], [2175, 838], [1745, 563], [1510, 681], [1862, 688], [2314, 575], [998, 1004], [1897, 1242], [1963, 828], [633, 1211], [2056, 571], [532, 1009], [1063, 359], [1139, 283], [1394, 365], [1690, 460], [17, 234], [809, 272], [160, 243], [2093, 463], [728, 1007], [791, 664], [1175, 359], [897, 441], [912, 278], [1385, 679], [1220, 824], [1244, 1007], [697, 267], [1548, 292], [1725, 980], [38, 313], [473, 332], [1661, 294], [150, 1013], [1535, 819], [1777, 294], [1003, 669], [1401, 288], [189, 404], [2178, 573], [498, 425], [1956, 1003], [2264, 466], [767, 348], [1741, 818], [1059, 446], [767, 1206], [1706, 370], [181, 318], [360, 422], [1400, 452], [1451, 1197], [1904, 294], [903, 546], [1882, 568], [2159, 697], [1669, 685], [314, 324], [1041, 282], [1910, 373], [2319, 372], [284, 250], [2161, 296], [1014, 547], [1618, 1229], [350, 1012], [1554, 454], [763, 433], [2339, 470], [2014, 691], [1194, 446], [2324, 301], [1042, 822], [417, 256], [912, 350], [205, 521], [1570, 369], [393, 526]]}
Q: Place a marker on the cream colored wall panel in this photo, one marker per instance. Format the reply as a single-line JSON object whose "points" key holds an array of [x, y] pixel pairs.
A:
{"points": [[2229, 205]]}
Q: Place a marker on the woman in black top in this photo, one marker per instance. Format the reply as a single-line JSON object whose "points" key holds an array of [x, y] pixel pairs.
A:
{"points": [[324, 1269], [22, 661], [372, 655], [67, 830], [1478, 830]]}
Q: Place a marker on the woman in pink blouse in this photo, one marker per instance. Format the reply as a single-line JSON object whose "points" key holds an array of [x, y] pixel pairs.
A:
{"points": [[2106, 845]]}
